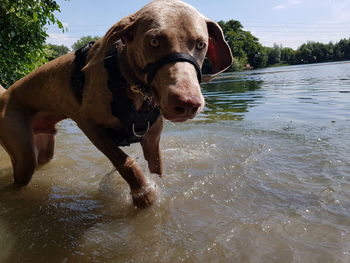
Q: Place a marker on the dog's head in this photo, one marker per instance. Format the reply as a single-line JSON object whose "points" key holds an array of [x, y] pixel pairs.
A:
{"points": [[166, 27]]}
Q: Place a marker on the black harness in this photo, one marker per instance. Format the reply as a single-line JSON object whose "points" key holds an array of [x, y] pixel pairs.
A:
{"points": [[136, 123]]}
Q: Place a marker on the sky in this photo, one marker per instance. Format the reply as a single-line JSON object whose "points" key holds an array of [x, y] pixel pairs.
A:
{"points": [[289, 23]]}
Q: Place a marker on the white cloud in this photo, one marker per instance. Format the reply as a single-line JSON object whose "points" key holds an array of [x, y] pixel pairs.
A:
{"points": [[61, 39], [57, 37], [295, 39], [277, 7], [287, 4], [340, 12]]}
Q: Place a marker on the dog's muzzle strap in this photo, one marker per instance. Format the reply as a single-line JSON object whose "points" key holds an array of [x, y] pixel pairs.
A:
{"points": [[152, 68]]}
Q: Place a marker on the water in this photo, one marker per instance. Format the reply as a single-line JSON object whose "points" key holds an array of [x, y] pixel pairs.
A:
{"points": [[262, 175]]}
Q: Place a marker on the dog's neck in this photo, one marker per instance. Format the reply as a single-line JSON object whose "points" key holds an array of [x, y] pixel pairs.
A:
{"points": [[134, 84], [129, 75]]}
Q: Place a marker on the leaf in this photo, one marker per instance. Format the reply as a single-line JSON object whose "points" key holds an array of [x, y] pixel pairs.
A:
{"points": [[23, 35]]}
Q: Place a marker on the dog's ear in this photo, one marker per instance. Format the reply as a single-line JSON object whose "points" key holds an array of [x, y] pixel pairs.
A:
{"points": [[219, 52], [120, 30]]}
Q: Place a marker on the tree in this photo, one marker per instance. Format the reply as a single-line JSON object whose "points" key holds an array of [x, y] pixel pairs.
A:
{"points": [[338, 51], [22, 36], [231, 25], [274, 55], [245, 47], [257, 58], [83, 41], [304, 54], [55, 51], [343, 48], [288, 55]]}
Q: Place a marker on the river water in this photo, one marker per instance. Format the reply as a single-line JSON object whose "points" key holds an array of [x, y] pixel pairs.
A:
{"points": [[262, 175]]}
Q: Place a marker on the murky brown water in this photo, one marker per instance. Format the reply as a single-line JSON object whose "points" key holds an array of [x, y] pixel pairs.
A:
{"points": [[263, 175]]}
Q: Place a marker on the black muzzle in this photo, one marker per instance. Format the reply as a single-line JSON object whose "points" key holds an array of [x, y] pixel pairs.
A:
{"points": [[152, 68]]}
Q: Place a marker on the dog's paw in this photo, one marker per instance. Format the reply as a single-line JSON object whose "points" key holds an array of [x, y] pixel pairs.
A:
{"points": [[144, 197]]}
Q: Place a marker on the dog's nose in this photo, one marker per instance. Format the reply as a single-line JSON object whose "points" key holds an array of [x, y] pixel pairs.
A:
{"points": [[186, 105]]}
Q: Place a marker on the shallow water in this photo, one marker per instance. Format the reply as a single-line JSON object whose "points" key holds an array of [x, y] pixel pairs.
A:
{"points": [[262, 175]]}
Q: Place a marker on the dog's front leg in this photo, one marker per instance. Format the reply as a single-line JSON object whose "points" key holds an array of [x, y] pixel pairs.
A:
{"points": [[150, 147], [142, 192]]}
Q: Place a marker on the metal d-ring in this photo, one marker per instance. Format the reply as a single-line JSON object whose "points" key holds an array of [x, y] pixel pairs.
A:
{"points": [[139, 135]]}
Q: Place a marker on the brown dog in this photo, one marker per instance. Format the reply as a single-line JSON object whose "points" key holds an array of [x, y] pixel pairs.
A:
{"points": [[31, 107]]}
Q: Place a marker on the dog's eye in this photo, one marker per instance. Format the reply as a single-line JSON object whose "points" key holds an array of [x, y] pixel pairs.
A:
{"points": [[154, 42], [201, 44]]}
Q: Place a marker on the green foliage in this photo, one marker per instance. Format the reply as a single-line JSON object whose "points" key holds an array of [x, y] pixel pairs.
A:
{"points": [[83, 41], [231, 25], [274, 54], [315, 52], [55, 51], [287, 55], [245, 47], [239, 64], [247, 51], [22, 36]]}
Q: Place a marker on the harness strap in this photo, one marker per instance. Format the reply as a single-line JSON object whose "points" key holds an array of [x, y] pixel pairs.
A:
{"points": [[136, 124], [152, 68], [78, 79]]}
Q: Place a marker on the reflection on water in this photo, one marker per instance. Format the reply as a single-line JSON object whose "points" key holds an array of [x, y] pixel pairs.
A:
{"points": [[271, 187], [229, 100], [280, 92]]}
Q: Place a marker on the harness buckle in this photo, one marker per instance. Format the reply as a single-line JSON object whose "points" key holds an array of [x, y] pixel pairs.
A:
{"points": [[140, 135]]}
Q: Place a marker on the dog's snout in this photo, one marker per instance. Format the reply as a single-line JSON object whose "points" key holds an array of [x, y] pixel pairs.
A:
{"points": [[185, 105], [180, 110]]}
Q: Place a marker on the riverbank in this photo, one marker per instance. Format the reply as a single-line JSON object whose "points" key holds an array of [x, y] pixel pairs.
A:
{"points": [[283, 64]]}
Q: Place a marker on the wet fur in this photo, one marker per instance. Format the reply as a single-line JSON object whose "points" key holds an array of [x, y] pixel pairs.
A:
{"points": [[31, 107]]}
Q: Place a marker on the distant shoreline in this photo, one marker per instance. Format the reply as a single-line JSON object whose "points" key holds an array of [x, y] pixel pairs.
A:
{"points": [[286, 65]]}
